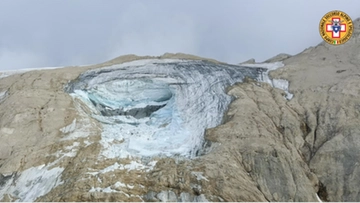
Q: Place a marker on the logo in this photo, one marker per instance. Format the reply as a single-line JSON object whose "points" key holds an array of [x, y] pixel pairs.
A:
{"points": [[336, 27]]}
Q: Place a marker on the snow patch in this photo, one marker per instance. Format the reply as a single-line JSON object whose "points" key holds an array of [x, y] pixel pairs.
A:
{"points": [[75, 144], [77, 129], [138, 166], [199, 176], [7, 131], [119, 184], [32, 183], [106, 190], [87, 143], [3, 96], [71, 153], [70, 128], [318, 198], [68, 151], [111, 168], [132, 166]]}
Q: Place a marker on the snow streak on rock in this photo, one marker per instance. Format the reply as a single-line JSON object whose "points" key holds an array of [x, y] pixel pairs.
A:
{"points": [[69, 128], [37, 181], [3, 96], [158, 107]]}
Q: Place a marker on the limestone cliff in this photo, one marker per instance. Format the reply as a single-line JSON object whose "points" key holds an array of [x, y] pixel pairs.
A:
{"points": [[63, 136], [326, 83]]}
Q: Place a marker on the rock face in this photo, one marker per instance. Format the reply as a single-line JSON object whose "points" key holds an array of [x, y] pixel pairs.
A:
{"points": [[250, 61], [279, 57], [73, 134], [326, 82]]}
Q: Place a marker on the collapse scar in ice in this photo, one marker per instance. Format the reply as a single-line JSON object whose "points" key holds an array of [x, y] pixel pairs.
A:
{"points": [[158, 107]]}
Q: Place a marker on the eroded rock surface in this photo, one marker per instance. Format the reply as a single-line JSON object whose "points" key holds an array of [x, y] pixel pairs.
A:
{"points": [[326, 82]]}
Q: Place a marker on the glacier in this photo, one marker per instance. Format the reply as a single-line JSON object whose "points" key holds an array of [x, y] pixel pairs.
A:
{"points": [[158, 107], [151, 107]]}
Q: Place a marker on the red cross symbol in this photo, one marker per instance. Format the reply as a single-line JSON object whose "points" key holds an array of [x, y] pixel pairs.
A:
{"points": [[336, 34]]}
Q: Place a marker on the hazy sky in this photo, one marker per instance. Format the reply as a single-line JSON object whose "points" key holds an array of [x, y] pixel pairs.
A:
{"points": [[41, 33]]}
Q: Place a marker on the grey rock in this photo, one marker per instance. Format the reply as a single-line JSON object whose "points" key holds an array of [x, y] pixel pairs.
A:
{"points": [[167, 196], [250, 61], [200, 198], [186, 197], [279, 57], [3, 95], [327, 85], [151, 196]]}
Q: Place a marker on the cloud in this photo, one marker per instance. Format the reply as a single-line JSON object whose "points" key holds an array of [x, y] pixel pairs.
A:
{"points": [[66, 32], [147, 30], [12, 60]]}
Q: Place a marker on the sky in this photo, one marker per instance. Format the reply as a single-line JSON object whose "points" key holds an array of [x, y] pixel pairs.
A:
{"points": [[43, 33]]}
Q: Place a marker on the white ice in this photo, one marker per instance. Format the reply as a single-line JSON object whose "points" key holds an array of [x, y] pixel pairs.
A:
{"points": [[193, 93], [194, 99], [283, 85], [277, 83], [32, 183]]}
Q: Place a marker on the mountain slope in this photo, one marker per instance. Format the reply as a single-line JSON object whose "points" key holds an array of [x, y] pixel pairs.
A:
{"points": [[326, 82], [56, 141]]}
